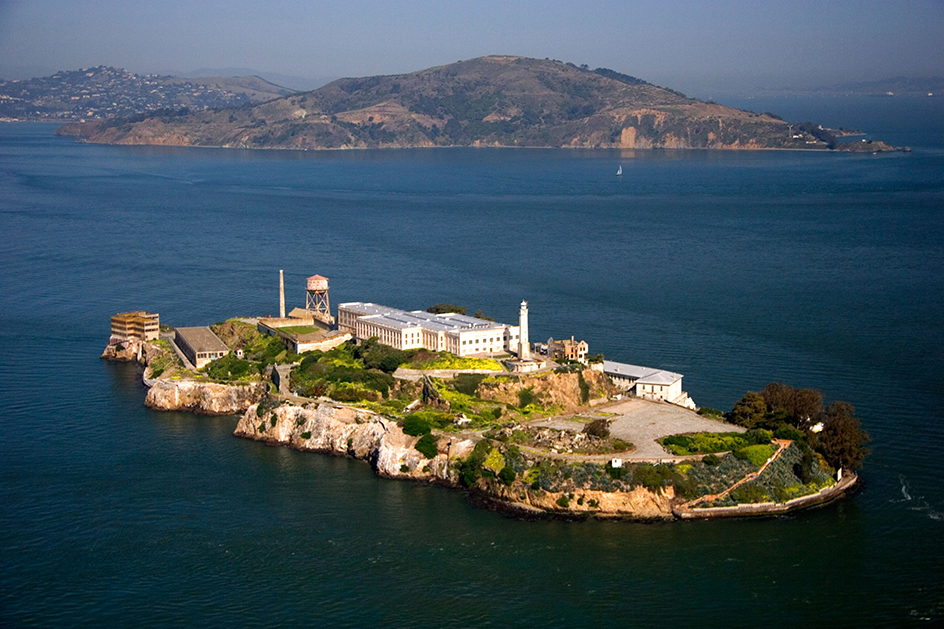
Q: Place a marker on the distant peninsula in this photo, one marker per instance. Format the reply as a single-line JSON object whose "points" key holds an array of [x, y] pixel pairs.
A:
{"points": [[105, 92], [495, 101]]}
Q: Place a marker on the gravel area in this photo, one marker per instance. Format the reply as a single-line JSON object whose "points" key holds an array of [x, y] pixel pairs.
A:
{"points": [[641, 422]]}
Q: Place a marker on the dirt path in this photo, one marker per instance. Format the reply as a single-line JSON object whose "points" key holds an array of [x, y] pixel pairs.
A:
{"points": [[783, 445]]}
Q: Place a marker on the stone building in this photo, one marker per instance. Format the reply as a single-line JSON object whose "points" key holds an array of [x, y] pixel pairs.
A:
{"points": [[567, 349]]}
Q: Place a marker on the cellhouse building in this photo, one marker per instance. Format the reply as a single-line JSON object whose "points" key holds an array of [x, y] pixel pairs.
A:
{"points": [[459, 334]]}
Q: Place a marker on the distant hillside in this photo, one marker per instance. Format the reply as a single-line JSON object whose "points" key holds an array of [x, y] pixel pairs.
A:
{"points": [[490, 101], [103, 92]]}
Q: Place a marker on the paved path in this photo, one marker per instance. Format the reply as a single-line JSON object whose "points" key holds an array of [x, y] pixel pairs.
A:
{"points": [[641, 422]]}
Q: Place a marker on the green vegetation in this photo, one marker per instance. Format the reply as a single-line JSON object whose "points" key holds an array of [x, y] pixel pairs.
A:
{"points": [[709, 442], [340, 375], [426, 445], [757, 454], [832, 431], [300, 329], [229, 368], [445, 360], [446, 308], [423, 422]]}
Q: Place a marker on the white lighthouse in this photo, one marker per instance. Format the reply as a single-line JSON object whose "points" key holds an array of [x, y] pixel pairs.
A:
{"points": [[524, 348]]}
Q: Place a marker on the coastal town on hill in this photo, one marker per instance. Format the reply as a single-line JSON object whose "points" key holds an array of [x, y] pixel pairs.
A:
{"points": [[533, 428]]}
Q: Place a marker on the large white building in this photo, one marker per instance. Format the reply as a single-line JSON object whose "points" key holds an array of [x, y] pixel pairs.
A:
{"points": [[459, 334]]}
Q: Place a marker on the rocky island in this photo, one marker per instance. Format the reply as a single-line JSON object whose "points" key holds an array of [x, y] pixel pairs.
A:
{"points": [[567, 440], [496, 101]]}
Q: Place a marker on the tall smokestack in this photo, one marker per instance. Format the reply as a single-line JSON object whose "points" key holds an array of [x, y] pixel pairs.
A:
{"points": [[281, 294]]}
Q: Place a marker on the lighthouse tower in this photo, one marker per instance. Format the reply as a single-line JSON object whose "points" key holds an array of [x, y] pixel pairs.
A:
{"points": [[524, 349]]}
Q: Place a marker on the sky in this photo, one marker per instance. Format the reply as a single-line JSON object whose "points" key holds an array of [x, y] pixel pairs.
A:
{"points": [[691, 46]]}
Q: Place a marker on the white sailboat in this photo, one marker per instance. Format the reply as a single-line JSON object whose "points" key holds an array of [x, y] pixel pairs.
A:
{"points": [[619, 171]]}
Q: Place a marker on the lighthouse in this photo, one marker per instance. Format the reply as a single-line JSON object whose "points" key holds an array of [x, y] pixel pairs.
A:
{"points": [[524, 348]]}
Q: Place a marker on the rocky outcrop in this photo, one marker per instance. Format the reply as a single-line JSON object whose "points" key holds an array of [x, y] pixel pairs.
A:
{"points": [[126, 351], [344, 430], [347, 431], [638, 504], [205, 398], [560, 389]]}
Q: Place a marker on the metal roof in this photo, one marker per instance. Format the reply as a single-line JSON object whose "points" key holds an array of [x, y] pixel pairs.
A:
{"points": [[401, 319], [644, 375], [202, 340]]}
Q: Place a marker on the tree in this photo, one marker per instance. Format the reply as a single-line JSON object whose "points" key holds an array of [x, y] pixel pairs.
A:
{"points": [[842, 440], [480, 314], [749, 411], [806, 404], [778, 395], [444, 308]]}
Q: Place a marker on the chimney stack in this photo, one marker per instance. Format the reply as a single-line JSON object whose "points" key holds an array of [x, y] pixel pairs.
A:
{"points": [[281, 294]]}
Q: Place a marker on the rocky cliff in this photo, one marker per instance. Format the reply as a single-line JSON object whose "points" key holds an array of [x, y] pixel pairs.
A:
{"points": [[559, 389], [344, 430], [347, 431], [171, 389], [205, 398]]}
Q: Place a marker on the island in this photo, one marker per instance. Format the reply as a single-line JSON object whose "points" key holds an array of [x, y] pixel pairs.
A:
{"points": [[533, 429], [495, 101]]}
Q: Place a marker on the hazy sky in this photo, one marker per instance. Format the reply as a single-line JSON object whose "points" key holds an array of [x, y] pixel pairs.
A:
{"points": [[686, 45]]}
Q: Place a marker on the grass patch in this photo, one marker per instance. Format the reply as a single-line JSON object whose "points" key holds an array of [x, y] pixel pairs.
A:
{"points": [[445, 360], [298, 330]]}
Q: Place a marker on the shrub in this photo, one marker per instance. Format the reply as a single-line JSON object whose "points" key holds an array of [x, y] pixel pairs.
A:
{"points": [[467, 383], [404, 469], [598, 428], [756, 454], [507, 475], [427, 446], [415, 425], [525, 397], [711, 459], [306, 435], [563, 502], [584, 390], [789, 432], [758, 436]]}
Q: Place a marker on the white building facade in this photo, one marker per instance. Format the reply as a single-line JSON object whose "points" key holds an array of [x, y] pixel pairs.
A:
{"points": [[648, 383], [451, 332]]}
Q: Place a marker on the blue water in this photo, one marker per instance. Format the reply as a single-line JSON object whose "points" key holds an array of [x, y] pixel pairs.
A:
{"points": [[734, 269]]}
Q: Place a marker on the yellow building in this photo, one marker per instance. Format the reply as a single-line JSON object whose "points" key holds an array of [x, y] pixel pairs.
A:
{"points": [[135, 326]]}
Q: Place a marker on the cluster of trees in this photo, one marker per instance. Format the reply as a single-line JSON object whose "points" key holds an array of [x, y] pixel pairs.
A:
{"points": [[444, 308], [832, 430]]}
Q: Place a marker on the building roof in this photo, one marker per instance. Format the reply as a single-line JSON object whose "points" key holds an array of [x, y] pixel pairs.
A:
{"points": [[643, 375], [202, 340], [400, 319], [318, 277]]}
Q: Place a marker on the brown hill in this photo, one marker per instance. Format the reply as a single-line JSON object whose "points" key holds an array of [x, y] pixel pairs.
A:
{"points": [[489, 101]]}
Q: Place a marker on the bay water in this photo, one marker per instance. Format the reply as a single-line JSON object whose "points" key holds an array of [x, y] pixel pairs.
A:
{"points": [[732, 268]]}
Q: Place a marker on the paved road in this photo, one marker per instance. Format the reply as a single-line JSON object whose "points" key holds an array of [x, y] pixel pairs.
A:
{"points": [[641, 422]]}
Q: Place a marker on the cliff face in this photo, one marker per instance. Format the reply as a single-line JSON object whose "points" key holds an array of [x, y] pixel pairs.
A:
{"points": [[344, 430], [562, 389], [181, 394], [205, 398], [362, 434], [640, 503]]}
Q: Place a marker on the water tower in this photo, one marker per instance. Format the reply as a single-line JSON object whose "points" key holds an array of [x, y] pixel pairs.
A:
{"points": [[317, 302]]}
